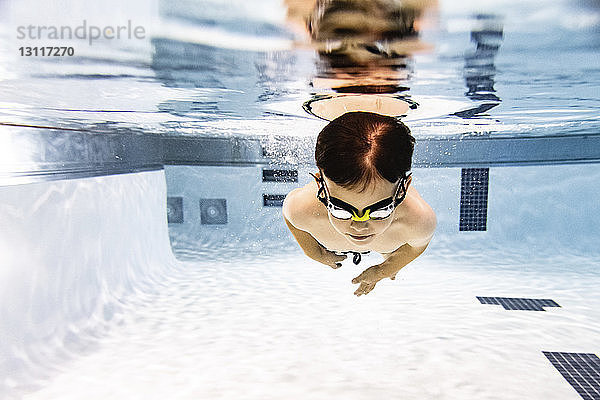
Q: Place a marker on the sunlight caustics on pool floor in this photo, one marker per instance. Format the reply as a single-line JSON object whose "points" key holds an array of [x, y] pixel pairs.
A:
{"points": [[290, 328]]}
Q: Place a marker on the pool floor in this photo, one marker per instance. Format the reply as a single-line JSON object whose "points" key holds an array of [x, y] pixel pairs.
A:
{"points": [[292, 328]]}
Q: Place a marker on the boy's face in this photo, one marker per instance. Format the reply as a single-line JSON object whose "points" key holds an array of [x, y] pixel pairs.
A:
{"points": [[362, 232]]}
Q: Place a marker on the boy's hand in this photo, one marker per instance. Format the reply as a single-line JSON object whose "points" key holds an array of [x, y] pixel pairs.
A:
{"points": [[332, 259], [370, 276]]}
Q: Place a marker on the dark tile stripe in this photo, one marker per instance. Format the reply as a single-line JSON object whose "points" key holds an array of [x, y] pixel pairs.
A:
{"points": [[280, 175], [513, 303], [581, 370], [473, 199], [273, 200]]}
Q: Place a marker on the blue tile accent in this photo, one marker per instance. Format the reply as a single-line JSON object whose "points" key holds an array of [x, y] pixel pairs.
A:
{"points": [[175, 210], [473, 199], [273, 200], [513, 303], [581, 370], [213, 211], [280, 175]]}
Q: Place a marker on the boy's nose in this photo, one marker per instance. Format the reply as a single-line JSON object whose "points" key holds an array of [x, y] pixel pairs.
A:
{"points": [[360, 226]]}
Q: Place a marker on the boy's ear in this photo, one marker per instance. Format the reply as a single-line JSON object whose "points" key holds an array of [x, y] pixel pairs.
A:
{"points": [[408, 181]]}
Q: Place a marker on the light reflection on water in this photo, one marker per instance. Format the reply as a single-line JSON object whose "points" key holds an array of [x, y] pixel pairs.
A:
{"points": [[171, 82]]}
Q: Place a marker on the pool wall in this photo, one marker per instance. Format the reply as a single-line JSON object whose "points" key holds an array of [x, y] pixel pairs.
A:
{"points": [[532, 211], [71, 252]]}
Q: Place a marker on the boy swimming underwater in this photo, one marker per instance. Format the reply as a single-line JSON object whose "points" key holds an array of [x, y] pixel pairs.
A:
{"points": [[362, 199]]}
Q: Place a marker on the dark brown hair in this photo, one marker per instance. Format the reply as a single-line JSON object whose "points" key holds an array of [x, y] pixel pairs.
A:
{"points": [[359, 147]]}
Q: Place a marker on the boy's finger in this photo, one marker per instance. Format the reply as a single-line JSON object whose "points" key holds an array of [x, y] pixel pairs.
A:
{"points": [[360, 290]]}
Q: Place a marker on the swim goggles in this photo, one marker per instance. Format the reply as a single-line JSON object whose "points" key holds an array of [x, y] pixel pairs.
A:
{"points": [[341, 210]]}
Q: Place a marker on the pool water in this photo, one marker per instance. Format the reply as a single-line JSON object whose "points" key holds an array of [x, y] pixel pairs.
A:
{"points": [[235, 321], [178, 279]]}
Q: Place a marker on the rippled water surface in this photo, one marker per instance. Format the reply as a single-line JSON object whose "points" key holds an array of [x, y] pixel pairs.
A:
{"points": [[203, 63]]}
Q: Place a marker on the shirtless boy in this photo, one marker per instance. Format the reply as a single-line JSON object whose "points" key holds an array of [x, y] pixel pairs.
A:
{"points": [[362, 199]]}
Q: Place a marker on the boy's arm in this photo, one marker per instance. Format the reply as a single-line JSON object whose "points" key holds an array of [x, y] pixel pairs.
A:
{"points": [[313, 249], [397, 260], [394, 262]]}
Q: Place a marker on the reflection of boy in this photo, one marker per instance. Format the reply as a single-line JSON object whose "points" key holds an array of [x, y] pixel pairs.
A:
{"points": [[362, 198]]}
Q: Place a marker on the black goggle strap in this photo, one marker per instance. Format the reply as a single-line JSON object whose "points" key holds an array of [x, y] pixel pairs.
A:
{"points": [[402, 182], [324, 198], [321, 193]]}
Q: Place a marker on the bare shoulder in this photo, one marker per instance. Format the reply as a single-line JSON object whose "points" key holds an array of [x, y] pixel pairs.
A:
{"points": [[300, 207], [420, 219]]}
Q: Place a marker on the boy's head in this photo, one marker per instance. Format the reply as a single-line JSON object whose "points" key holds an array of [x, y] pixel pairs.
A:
{"points": [[358, 148]]}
